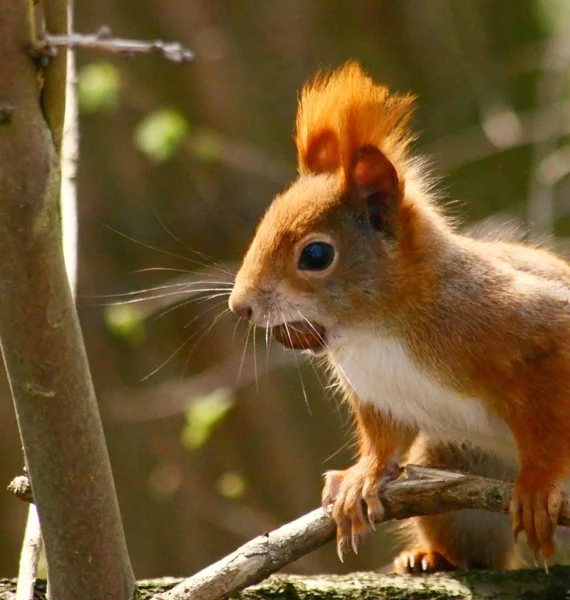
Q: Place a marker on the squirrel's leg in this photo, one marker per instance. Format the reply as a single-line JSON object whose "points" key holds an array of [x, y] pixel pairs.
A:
{"points": [[351, 496], [544, 453], [464, 539]]}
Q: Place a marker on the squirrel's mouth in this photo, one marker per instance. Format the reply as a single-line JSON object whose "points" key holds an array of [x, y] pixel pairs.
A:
{"points": [[301, 335]]}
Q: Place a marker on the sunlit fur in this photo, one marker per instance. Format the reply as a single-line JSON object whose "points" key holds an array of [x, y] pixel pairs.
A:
{"points": [[346, 109], [427, 330]]}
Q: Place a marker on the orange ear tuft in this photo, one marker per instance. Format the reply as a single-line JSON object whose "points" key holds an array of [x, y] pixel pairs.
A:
{"points": [[345, 111], [374, 181], [374, 173], [322, 154]]}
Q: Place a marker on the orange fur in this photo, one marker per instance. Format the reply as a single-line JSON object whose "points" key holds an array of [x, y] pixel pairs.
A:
{"points": [[477, 331], [344, 111]]}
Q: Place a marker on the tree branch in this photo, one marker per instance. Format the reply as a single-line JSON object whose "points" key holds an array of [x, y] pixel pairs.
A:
{"points": [[419, 491], [48, 44], [29, 556], [55, 74], [460, 585]]}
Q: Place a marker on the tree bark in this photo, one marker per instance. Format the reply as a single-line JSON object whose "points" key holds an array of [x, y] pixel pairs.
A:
{"points": [[41, 340], [475, 585]]}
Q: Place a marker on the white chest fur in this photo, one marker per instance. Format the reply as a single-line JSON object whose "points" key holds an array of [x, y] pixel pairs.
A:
{"points": [[381, 372]]}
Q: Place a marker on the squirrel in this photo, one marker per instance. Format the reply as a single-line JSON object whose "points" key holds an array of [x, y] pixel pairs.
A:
{"points": [[449, 351]]}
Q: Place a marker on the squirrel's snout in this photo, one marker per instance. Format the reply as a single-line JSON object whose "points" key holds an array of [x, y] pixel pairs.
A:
{"points": [[240, 305], [242, 309]]}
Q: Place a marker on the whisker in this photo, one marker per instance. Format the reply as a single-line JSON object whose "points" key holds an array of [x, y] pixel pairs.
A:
{"points": [[325, 345], [267, 341], [194, 319], [255, 361], [184, 285], [212, 263], [317, 333], [320, 337], [297, 363], [175, 353], [165, 252], [159, 296], [238, 321], [179, 271], [182, 303], [243, 353], [204, 332]]}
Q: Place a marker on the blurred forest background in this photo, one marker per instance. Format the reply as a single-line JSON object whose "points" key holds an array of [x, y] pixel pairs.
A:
{"points": [[184, 159]]}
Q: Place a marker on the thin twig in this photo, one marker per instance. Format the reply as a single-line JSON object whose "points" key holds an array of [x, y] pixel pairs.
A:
{"points": [[419, 491], [69, 161], [29, 556], [102, 41]]}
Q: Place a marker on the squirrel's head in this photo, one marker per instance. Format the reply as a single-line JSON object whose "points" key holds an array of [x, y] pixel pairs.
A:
{"points": [[327, 251]]}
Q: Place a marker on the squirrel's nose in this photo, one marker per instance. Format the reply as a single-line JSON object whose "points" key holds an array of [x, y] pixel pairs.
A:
{"points": [[241, 309]]}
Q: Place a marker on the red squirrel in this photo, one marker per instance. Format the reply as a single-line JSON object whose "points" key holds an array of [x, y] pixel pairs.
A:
{"points": [[449, 351]]}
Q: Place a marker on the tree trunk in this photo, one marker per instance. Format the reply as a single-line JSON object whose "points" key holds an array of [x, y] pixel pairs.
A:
{"points": [[41, 340]]}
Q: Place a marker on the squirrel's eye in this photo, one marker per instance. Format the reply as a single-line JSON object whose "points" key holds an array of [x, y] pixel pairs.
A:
{"points": [[317, 256]]}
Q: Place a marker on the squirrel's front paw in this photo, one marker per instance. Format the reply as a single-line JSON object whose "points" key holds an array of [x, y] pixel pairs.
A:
{"points": [[535, 509], [351, 498]]}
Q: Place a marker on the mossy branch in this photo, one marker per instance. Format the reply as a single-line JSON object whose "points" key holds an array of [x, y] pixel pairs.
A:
{"points": [[474, 585]]}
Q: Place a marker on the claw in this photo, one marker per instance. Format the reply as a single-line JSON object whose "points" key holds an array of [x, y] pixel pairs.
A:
{"points": [[425, 564], [356, 538], [340, 547], [351, 499]]}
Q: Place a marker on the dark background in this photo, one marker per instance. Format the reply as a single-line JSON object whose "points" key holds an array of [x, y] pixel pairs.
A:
{"points": [[186, 158]]}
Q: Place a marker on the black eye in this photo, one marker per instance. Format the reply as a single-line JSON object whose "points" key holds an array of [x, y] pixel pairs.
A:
{"points": [[316, 257]]}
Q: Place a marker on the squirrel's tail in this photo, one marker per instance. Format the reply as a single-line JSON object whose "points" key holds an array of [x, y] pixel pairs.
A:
{"points": [[463, 539]]}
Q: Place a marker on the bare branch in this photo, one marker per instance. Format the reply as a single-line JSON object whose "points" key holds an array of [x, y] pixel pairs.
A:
{"points": [[30, 556], [55, 73], [419, 491], [48, 44]]}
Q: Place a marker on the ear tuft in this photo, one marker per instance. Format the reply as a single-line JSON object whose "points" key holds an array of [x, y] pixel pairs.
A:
{"points": [[374, 180], [372, 172], [322, 154], [344, 111]]}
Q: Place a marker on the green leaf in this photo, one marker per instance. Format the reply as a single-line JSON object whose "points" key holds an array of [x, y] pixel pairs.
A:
{"points": [[206, 146], [98, 87], [203, 415], [159, 134], [231, 485], [126, 322]]}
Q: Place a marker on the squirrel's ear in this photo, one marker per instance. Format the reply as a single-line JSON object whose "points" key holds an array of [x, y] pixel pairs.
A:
{"points": [[374, 180], [322, 154]]}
